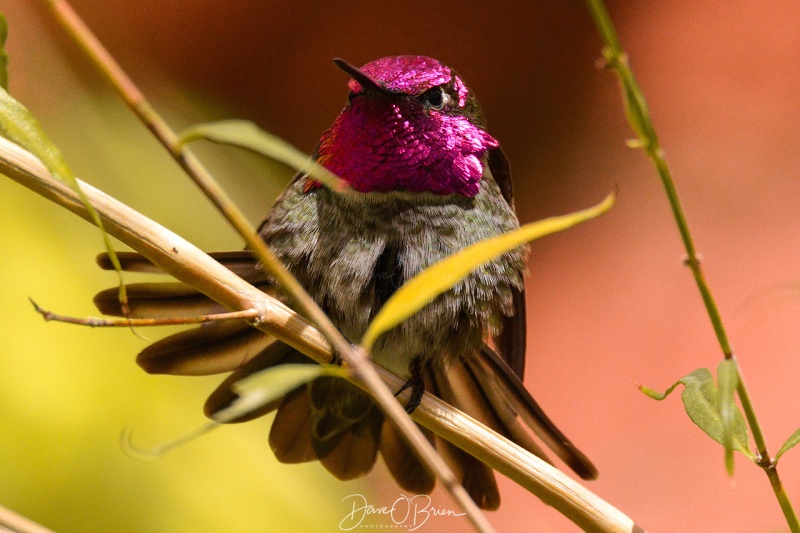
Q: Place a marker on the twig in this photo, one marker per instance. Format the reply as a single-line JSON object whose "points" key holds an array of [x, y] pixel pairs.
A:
{"points": [[190, 265], [639, 119], [97, 322]]}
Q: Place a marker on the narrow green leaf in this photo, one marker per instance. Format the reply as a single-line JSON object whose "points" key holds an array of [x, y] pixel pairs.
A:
{"points": [[727, 381], [414, 294], [245, 134], [18, 125], [701, 400], [790, 443], [257, 390], [3, 53]]}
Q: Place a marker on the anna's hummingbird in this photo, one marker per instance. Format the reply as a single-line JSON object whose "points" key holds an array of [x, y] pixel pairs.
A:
{"points": [[427, 180]]}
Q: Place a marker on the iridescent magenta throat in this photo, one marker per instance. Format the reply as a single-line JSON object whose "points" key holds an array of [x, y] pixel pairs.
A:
{"points": [[391, 142]]}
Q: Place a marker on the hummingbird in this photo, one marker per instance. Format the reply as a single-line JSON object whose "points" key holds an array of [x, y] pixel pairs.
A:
{"points": [[427, 180]]}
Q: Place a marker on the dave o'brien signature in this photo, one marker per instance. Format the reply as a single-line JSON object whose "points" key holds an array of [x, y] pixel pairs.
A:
{"points": [[411, 512]]}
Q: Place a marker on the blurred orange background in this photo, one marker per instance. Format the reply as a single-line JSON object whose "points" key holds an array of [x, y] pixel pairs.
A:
{"points": [[610, 304]]}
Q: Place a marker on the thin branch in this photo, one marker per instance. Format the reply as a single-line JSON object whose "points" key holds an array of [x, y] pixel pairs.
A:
{"points": [[358, 361], [190, 265], [638, 115], [98, 322]]}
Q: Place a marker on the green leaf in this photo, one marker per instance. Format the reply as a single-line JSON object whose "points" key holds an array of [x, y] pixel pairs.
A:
{"points": [[414, 294], [727, 381], [790, 443], [701, 399], [245, 134], [18, 125], [257, 390], [3, 53]]}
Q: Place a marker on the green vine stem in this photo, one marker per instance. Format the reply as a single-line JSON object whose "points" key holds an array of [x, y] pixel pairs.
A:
{"points": [[638, 115]]}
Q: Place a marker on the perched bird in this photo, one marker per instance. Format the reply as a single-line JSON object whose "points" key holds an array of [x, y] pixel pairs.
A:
{"points": [[427, 180]]}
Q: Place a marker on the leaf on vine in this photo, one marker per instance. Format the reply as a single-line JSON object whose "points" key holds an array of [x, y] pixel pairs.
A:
{"points": [[257, 390], [790, 443], [414, 294], [245, 134], [703, 403], [18, 125], [727, 381]]}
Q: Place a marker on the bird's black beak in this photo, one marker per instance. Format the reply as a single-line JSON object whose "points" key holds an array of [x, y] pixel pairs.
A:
{"points": [[367, 83]]}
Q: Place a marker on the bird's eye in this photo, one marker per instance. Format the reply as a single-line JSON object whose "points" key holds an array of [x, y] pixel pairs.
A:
{"points": [[435, 98]]}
